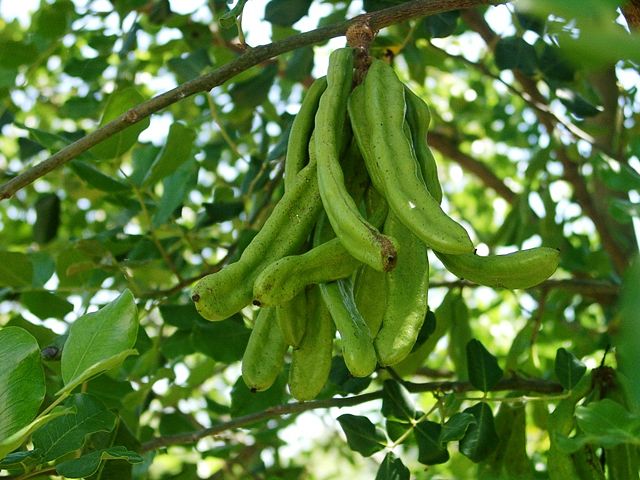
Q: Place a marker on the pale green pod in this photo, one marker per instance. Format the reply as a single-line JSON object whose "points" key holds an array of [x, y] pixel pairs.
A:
{"points": [[357, 344], [301, 130], [392, 162], [264, 356], [311, 362], [406, 304], [361, 239], [292, 318], [370, 293], [521, 269], [281, 281], [219, 295]]}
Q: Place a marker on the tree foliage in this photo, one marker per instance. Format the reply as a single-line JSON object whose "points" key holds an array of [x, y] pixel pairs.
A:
{"points": [[108, 371]]}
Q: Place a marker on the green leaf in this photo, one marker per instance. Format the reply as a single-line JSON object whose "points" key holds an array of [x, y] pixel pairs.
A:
{"points": [[300, 65], [100, 335], [119, 102], [362, 435], [88, 464], [454, 311], [68, 433], [8, 444], [286, 12], [45, 304], [456, 427], [440, 25], [396, 401], [396, 429], [228, 20], [252, 92], [625, 334], [96, 178], [47, 221], [15, 269], [20, 460], [569, 369], [344, 382], [176, 151], [554, 66], [430, 450], [483, 368], [515, 53], [481, 437], [223, 341], [96, 368], [244, 401], [392, 468], [609, 422], [175, 188], [22, 385]]}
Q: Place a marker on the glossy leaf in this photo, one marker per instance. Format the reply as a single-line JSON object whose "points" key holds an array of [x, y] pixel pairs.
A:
{"points": [[22, 386], [100, 335], [362, 435], [569, 369], [396, 401], [481, 437], [430, 450], [68, 433], [456, 427], [392, 468], [118, 103], [88, 464], [96, 369], [484, 371]]}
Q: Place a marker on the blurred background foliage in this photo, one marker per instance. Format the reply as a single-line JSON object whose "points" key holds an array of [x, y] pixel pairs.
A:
{"points": [[535, 126]]}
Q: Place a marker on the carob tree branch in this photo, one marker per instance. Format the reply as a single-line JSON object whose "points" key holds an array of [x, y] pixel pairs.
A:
{"points": [[254, 56], [512, 383]]}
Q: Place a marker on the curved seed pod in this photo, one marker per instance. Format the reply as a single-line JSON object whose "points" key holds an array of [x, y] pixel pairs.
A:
{"points": [[221, 294], [264, 356], [292, 318], [360, 238], [370, 293], [285, 278], [521, 269], [418, 118], [311, 362], [395, 165], [357, 344], [406, 304], [301, 130]]}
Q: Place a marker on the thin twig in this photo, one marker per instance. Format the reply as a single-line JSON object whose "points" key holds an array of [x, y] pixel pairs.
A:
{"points": [[250, 58], [295, 408]]}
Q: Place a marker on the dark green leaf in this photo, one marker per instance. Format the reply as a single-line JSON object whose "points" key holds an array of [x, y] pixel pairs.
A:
{"points": [[481, 437], [15, 53], [191, 66], [47, 222], [430, 450], [456, 427], [15, 269], [362, 435], [244, 401], [46, 304], [99, 335], [577, 104], [300, 65], [22, 385], [88, 464], [515, 53], [118, 103], [530, 22], [440, 25], [484, 371], [223, 341], [21, 459], [554, 66], [345, 382], [427, 329], [176, 151], [286, 12], [252, 92], [396, 401], [373, 5], [392, 468], [96, 178], [221, 211], [396, 429], [175, 188], [68, 433], [569, 369]]}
